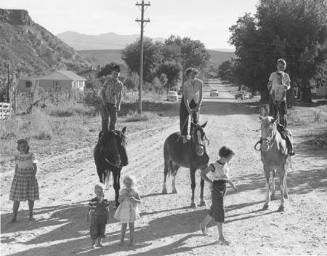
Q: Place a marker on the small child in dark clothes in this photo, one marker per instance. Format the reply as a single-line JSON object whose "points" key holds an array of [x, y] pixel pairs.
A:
{"points": [[220, 176], [99, 213]]}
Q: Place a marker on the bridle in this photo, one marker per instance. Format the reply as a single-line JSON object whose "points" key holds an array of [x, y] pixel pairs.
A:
{"points": [[122, 143], [268, 141], [196, 141]]}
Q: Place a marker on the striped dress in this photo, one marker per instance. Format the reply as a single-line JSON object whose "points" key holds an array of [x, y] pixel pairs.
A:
{"points": [[24, 185]]}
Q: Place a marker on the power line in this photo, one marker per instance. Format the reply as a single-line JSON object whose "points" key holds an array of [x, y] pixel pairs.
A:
{"points": [[142, 21]]}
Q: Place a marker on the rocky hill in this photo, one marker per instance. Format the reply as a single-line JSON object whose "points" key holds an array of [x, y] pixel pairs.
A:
{"points": [[30, 48], [105, 41]]}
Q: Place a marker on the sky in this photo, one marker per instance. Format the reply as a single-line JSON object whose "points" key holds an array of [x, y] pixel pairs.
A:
{"points": [[204, 20]]}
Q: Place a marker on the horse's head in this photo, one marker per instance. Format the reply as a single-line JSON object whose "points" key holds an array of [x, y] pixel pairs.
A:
{"points": [[122, 142], [268, 131], [199, 139]]}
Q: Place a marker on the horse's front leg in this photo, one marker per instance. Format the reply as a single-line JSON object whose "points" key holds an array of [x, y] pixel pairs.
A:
{"points": [[202, 202], [267, 176], [282, 191], [116, 175], [166, 169], [273, 185], [192, 173]]}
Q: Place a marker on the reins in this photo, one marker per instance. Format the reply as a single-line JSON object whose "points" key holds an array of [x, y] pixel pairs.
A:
{"points": [[269, 140]]}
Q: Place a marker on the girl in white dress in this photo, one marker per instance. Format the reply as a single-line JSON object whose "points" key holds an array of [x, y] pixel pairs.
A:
{"points": [[127, 211]]}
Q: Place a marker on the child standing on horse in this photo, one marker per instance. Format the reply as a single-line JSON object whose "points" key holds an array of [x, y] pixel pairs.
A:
{"points": [[220, 176], [24, 185], [278, 84], [111, 95], [191, 101]]}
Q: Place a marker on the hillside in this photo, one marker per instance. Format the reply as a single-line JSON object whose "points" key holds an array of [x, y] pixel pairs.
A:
{"points": [[95, 42], [32, 49], [218, 57]]}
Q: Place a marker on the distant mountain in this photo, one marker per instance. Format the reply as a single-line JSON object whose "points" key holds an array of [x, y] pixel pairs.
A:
{"points": [[111, 41], [32, 49], [218, 57], [223, 50]]}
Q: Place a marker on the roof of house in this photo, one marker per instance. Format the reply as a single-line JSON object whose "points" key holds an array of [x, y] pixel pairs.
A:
{"points": [[61, 75]]}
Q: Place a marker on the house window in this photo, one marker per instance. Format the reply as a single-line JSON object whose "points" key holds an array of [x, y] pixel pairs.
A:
{"points": [[28, 84]]}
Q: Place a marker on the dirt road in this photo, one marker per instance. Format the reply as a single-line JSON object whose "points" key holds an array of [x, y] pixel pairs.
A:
{"points": [[167, 225]]}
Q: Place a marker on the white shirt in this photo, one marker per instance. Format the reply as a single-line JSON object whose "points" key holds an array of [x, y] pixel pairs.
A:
{"points": [[192, 89], [278, 81], [219, 171]]}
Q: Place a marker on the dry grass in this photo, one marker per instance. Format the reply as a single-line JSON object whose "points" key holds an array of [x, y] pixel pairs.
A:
{"points": [[300, 116], [136, 117], [69, 109]]}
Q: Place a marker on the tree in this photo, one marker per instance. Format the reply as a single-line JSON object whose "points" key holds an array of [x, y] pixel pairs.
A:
{"points": [[151, 51], [187, 52], [292, 29], [226, 70], [107, 69], [172, 70]]}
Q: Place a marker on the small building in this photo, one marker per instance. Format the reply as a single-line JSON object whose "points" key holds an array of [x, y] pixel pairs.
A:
{"points": [[60, 80]]}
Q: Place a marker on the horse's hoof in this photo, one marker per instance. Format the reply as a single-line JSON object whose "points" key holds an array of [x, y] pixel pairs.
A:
{"points": [[174, 191], [286, 196], [193, 205], [265, 207], [164, 191], [273, 197], [281, 208]]}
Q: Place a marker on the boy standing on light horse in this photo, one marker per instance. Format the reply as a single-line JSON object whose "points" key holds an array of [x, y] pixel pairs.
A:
{"points": [[279, 83], [190, 103]]}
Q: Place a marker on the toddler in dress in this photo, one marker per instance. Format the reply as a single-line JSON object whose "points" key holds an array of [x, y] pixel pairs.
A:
{"points": [[127, 211]]}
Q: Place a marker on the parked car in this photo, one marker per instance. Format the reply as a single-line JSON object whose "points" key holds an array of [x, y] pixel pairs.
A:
{"points": [[214, 92], [239, 95], [242, 95], [172, 96]]}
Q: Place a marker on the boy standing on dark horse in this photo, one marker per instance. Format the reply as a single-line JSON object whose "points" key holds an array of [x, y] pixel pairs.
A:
{"points": [[111, 99], [191, 101], [279, 83]]}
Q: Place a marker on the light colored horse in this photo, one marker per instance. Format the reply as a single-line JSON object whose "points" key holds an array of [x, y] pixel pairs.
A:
{"points": [[275, 159]]}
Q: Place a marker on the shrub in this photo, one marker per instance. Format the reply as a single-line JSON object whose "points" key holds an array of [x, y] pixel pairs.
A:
{"points": [[40, 126], [69, 109]]}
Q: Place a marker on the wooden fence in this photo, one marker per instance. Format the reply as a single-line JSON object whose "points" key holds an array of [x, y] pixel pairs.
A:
{"points": [[5, 110]]}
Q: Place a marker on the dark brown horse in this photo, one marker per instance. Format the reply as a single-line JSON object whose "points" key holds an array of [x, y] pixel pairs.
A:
{"points": [[191, 154], [110, 156]]}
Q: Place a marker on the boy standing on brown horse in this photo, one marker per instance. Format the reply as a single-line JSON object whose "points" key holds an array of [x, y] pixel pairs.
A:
{"points": [[278, 84], [110, 99]]}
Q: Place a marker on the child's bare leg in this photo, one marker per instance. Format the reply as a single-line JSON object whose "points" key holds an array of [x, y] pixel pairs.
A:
{"points": [[92, 242], [204, 224], [123, 231], [99, 242], [131, 233], [15, 211], [221, 235], [31, 206]]}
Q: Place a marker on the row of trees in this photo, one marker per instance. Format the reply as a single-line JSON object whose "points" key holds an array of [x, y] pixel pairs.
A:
{"points": [[167, 61], [295, 30]]}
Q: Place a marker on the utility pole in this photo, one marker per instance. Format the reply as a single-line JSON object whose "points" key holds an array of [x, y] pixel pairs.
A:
{"points": [[142, 21], [8, 83]]}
